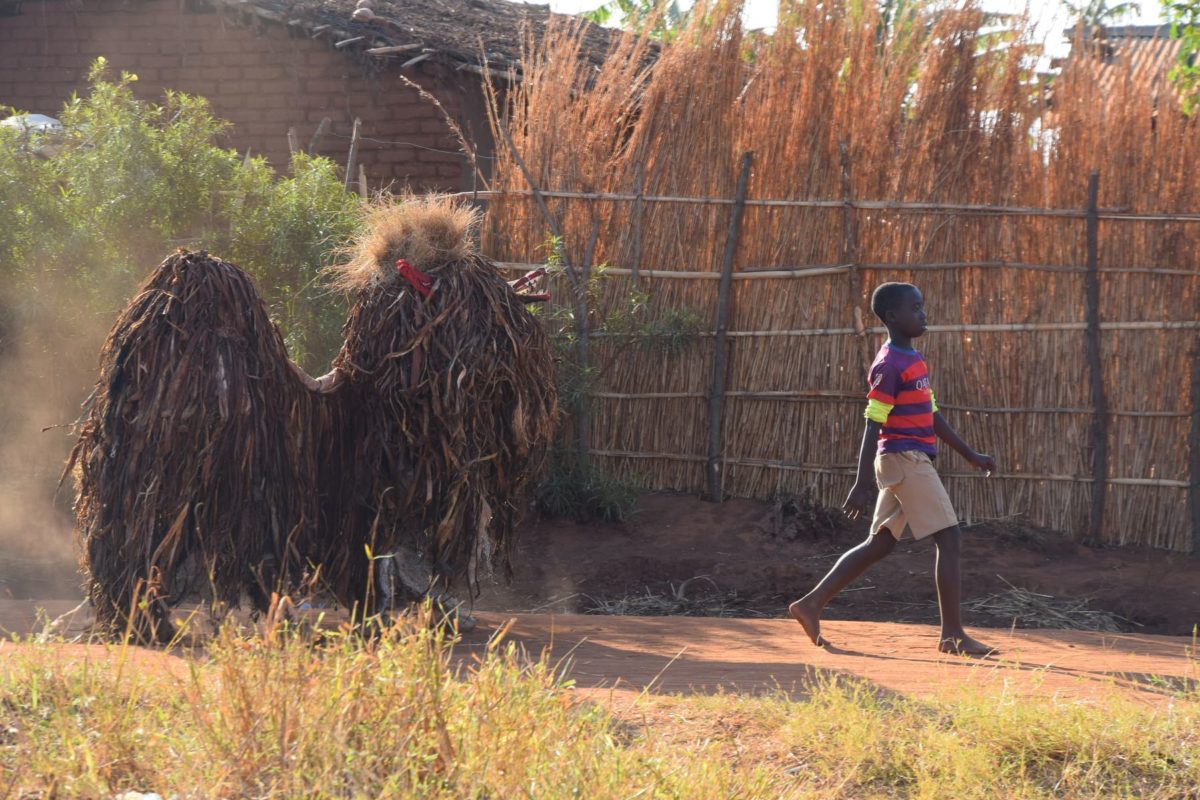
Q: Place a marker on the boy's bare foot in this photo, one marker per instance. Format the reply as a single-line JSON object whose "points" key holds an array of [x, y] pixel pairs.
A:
{"points": [[963, 645], [810, 620]]}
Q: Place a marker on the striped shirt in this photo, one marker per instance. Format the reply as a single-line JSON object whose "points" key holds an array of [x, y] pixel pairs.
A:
{"points": [[900, 399]]}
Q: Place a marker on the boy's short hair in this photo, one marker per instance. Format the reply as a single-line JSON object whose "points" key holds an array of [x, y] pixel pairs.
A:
{"points": [[887, 296]]}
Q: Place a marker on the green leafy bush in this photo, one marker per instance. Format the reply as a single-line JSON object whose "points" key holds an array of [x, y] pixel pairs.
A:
{"points": [[92, 209], [574, 486], [584, 492]]}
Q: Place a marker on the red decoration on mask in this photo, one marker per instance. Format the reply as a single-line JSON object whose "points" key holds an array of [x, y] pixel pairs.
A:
{"points": [[419, 280]]}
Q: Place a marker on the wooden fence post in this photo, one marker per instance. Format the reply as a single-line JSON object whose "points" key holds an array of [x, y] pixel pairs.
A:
{"points": [[578, 279], [1194, 451], [850, 258], [352, 154], [1096, 366], [640, 181], [319, 135], [583, 334], [716, 397]]}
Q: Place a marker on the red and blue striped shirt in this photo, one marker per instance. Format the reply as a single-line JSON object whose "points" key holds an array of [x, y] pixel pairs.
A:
{"points": [[901, 399]]}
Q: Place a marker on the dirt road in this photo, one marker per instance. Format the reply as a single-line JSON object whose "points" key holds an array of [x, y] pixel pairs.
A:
{"points": [[688, 654], [701, 655]]}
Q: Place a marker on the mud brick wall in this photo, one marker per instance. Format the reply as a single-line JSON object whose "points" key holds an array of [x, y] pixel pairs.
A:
{"points": [[262, 77]]}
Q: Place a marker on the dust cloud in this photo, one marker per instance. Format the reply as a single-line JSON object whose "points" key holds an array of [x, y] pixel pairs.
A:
{"points": [[49, 343]]}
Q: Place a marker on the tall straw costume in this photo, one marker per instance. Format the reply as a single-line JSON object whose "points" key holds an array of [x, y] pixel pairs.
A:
{"points": [[208, 463]]}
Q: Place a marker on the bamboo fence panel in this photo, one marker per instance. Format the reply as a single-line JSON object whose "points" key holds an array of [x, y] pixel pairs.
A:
{"points": [[864, 174]]}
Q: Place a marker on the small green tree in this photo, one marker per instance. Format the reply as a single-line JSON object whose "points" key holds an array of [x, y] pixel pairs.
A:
{"points": [[573, 485], [94, 207], [1091, 13], [1184, 19], [661, 19], [285, 231]]}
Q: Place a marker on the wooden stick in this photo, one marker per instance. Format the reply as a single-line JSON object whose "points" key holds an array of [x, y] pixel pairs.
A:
{"points": [[319, 134], [1095, 365], [348, 42], [1120, 216], [293, 145], [716, 398], [362, 182], [881, 205], [583, 412], [848, 470], [352, 154], [393, 49], [639, 183], [854, 279], [822, 395], [787, 273], [412, 62], [551, 221], [510, 74], [1030, 327], [991, 328], [1194, 450], [849, 239]]}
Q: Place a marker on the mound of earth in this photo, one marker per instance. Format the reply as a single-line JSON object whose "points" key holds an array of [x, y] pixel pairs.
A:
{"points": [[680, 555]]}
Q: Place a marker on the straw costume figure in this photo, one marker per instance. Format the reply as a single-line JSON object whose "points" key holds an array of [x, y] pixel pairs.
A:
{"points": [[209, 463]]}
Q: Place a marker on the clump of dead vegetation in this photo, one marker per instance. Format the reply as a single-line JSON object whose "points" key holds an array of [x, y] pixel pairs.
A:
{"points": [[1029, 609], [676, 601], [203, 451]]}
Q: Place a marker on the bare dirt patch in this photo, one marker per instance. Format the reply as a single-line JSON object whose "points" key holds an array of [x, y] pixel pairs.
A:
{"points": [[759, 556], [623, 660], [745, 558]]}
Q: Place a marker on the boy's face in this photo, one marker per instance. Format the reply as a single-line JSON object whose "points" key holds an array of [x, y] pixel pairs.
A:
{"points": [[908, 316]]}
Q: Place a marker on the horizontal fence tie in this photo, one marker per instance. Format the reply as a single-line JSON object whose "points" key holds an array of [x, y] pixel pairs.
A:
{"points": [[869, 205], [1114, 214], [1014, 327], [848, 470], [821, 270], [819, 395]]}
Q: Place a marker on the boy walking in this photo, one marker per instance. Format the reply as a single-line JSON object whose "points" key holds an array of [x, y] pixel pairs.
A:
{"points": [[900, 440]]}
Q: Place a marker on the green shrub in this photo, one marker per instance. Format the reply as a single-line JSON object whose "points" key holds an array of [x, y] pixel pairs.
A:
{"points": [[93, 209], [285, 231], [584, 492]]}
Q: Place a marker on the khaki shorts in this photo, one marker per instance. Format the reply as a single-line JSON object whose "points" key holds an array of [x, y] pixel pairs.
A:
{"points": [[911, 496]]}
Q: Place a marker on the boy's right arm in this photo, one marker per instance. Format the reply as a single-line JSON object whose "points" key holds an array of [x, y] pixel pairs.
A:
{"points": [[860, 494]]}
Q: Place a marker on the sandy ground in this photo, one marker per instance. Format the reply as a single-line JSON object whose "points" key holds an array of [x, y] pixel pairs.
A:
{"points": [[745, 558], [620, 657]]}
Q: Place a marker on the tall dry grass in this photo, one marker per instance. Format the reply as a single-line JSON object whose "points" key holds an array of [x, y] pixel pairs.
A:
{"points": [[404, 716], [927, 110]]}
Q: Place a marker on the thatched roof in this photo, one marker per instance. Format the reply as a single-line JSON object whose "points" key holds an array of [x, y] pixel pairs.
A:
{"points": [[473, 33]]}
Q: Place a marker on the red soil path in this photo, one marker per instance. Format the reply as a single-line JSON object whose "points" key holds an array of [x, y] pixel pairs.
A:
{"points": [[622, 656]]}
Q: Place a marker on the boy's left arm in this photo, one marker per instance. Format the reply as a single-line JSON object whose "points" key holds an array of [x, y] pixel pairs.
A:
{"points": [[946, 434]]}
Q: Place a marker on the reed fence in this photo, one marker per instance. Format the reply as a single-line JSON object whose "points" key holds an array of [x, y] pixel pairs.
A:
{"points": [[1056, 244]]}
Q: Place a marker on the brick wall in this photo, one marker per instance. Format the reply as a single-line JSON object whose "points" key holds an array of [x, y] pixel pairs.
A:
{"points": [[260, 77]]}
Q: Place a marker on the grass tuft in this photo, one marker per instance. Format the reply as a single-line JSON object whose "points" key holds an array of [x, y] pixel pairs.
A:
{"points": [[404, 715]]}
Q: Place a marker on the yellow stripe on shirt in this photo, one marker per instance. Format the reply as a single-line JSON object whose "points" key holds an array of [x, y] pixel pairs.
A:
{"points": [[877, 411]]}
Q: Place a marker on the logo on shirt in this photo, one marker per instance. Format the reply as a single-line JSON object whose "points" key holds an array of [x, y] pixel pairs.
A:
{"points": [[922, 384]]}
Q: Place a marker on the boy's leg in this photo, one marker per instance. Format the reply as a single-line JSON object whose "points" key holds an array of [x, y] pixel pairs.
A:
{"points": [[854, 562], [953, 638]]}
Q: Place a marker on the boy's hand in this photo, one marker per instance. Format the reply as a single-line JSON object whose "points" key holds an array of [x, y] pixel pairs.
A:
{"points": [[856, 503], [983, 462]]}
